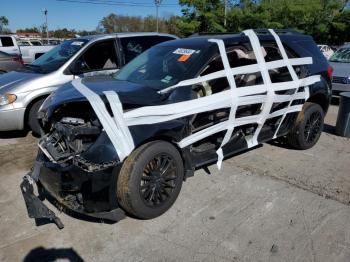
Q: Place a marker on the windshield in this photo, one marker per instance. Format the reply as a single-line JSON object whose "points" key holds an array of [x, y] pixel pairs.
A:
{"points": [[56, 57], [161, 67], [342, 55]]}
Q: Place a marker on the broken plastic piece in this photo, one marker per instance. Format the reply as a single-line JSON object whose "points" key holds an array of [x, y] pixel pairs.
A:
{"points": [[36, 209]]}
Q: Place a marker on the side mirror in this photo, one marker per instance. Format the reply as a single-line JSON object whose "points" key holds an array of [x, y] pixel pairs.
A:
{"points": [[77, 68]]}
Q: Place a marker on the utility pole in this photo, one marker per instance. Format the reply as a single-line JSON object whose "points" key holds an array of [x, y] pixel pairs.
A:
{"points": [[46, 25], [225, 12], [157, 3]]}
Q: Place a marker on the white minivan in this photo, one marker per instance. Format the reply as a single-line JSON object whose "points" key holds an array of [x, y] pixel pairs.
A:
{"points": [[23, 91]]}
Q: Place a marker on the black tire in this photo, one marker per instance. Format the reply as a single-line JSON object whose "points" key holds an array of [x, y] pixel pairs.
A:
{"points": [[142, 190], [33, 122], [307, 128]]}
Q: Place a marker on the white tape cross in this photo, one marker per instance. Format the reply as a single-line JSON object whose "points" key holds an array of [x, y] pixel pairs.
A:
{"points": [[117, 127]]}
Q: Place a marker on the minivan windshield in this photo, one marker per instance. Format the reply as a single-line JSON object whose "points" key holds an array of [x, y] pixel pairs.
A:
{"points": [[161, 67], [56, 57], [342, 55]]}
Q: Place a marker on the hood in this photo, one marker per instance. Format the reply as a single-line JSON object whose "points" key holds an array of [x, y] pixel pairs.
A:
{"points": [[341, 69], [12, 80], [131, 95]]}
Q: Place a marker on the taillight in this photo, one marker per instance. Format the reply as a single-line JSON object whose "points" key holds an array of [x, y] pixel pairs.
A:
{"points": [[330, 72], [18, 59]]}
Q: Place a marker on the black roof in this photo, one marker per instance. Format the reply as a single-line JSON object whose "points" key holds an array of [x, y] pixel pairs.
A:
{"points": [[230, 38]]}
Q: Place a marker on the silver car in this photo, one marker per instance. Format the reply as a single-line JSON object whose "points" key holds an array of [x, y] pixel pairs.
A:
{"points": [[9, 62], [340, 61], [22, 92]]}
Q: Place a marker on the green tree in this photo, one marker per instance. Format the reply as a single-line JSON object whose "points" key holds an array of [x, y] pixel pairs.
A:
{"points": [[201, 16], [3, 23]]}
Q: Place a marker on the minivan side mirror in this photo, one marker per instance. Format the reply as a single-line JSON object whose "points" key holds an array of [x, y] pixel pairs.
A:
{"points": [[78, 67]]}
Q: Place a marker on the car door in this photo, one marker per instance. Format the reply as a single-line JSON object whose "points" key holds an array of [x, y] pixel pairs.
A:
{"points": [[100, 58], [8, 45]]}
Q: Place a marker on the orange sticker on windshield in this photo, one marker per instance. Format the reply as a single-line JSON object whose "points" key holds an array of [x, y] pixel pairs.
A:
{"points": [[183, 58]]}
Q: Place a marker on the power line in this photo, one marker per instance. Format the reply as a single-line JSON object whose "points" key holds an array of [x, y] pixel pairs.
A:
{"points": [[115, 3]]}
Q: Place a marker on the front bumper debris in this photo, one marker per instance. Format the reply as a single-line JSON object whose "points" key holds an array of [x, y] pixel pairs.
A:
{"points": [[78, 193], [37, 209]]}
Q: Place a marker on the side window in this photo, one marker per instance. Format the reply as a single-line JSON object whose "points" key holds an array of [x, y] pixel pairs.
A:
{"points": [[212, 86], [242, 55], [36, 43], [99, 56], [237, 56], [6, 41], [133, 46]]}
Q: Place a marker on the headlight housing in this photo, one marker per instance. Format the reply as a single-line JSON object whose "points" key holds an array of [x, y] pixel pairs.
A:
{"points": [[7, 99]]}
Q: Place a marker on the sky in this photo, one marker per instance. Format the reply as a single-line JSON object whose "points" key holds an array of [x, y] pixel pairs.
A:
{"points": [[74, 15]]}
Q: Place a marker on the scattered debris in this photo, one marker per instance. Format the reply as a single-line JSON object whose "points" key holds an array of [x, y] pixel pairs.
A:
{"points": [[274, 249]]}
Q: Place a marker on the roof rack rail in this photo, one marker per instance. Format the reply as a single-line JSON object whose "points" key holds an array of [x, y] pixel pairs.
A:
{"points": [[278, 31], [258, 31], [211, 33]]}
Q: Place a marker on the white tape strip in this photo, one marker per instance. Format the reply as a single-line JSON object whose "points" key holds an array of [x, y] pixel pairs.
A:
{"points": [[292, 73], [119, 120], [233, 95], [106, 120], [247, 69], [254, 40]]}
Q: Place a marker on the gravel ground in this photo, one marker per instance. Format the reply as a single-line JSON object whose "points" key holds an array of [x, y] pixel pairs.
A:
{"points": [[269, 204]]}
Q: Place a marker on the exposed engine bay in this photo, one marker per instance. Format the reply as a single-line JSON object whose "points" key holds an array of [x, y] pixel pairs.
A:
{"points": [[68, 139]]}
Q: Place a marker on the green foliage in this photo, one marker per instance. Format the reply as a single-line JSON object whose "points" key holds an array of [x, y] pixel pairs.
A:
{"points": [[3, 23], [29, 29], [322, 19], [201, 16], [120, 23]]}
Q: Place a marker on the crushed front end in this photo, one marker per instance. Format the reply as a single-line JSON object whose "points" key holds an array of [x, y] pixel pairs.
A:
{"points": [[76, 165]]}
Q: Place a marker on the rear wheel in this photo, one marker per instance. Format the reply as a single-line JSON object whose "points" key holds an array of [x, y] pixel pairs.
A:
{"points": [[33, 117], [308, 127], [150, 180]]}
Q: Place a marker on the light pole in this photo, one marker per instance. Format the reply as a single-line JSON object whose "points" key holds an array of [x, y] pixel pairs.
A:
{"points": [[225, 12], [157, 3], [46, 25]]}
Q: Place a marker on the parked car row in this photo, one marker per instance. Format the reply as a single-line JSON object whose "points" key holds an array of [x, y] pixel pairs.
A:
{"points": [[326, 50], [38, 42], [340, 62], [115, 141], [29, 53]]}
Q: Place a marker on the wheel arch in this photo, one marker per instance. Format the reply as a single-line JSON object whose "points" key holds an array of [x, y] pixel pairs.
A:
{"points": [[320, 99], [29, 107]]}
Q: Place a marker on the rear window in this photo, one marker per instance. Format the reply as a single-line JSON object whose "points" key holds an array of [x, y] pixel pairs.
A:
{"points": [[6, 41]]}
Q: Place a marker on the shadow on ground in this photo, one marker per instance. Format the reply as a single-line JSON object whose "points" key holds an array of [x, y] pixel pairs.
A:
{"points": [[53, 254], [13, 134]]}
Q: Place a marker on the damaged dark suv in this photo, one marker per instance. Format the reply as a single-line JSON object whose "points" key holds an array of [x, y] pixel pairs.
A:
{"points": [[126, 143]]}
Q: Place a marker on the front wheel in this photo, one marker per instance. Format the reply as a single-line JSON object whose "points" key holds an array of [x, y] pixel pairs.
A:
{"points": [[150, 180], [33, 121], [308, 127]]}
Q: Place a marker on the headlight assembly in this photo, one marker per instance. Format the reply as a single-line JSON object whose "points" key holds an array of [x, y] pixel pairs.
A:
{"points": [[7, 99]]}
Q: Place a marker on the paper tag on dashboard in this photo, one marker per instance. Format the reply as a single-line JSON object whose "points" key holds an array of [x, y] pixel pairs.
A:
{"points": [[184, 51]]}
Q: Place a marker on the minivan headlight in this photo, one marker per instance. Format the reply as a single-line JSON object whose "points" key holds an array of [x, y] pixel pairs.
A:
{"points": [[7, 99]]}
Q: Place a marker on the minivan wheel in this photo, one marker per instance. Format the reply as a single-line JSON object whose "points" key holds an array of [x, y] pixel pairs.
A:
{"points": [[308, 127], [150, 180], [33, 117]]}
